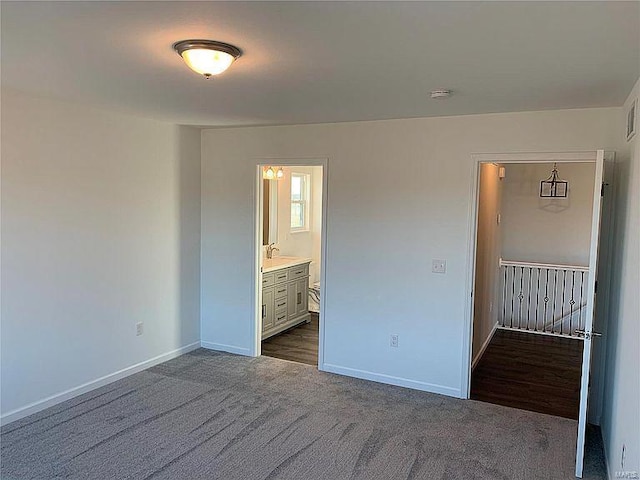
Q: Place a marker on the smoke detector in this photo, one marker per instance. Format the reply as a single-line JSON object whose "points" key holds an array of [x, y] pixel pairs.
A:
{"points": [[440, 93]]}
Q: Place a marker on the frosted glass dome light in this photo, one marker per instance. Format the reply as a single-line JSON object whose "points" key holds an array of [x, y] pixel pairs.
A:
{"points": [[207, 57], [269, 174]]}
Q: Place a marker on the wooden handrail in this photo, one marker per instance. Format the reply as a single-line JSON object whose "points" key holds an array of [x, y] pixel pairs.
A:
{"points": [[550, 266]]}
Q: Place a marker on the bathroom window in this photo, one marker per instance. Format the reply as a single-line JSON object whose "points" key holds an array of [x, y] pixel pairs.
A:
{"points": [[299, 202]]}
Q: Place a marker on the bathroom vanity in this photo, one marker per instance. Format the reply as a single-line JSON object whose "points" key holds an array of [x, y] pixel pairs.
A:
{"points": [[285, 294]]}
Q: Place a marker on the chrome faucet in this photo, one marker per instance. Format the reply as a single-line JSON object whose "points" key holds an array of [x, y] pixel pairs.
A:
{"points": [[270, 250]]}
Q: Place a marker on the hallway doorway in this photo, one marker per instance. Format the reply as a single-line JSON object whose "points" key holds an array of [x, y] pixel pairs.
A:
{"points": [[532, 273], [536, 232]]}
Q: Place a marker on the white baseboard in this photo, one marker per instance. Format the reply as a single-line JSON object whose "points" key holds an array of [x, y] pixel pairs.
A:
{"points": [[52, 400], [484, 346], [226, 348], [391, 380]]}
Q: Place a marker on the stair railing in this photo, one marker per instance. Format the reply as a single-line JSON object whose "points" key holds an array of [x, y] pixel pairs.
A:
{"points": [[543, 298]]}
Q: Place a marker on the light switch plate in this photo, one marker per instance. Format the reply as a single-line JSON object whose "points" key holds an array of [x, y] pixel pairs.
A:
{"points": [[438, 266]]}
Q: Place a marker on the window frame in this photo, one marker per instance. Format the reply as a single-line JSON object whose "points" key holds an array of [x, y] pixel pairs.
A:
{"points": [[305, 202]]}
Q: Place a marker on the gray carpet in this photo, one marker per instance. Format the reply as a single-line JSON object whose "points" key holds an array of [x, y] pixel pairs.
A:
{"points": [[209, 415]]}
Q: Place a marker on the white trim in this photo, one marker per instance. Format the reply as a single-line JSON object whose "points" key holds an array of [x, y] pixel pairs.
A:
{"points": [[604, 285], [551, 266], [324, 241], [533, 157], [590, 293], [57, 398], [467, 340], [484, 345], [392, 380], [221, 347], [256, 294]]}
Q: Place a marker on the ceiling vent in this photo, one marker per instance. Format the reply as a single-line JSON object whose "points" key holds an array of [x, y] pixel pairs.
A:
{"points": [[440, 93]]}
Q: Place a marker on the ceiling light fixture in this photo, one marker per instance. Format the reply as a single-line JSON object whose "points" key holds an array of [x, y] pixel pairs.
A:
{"points": [[207, 57], [553, 186]]}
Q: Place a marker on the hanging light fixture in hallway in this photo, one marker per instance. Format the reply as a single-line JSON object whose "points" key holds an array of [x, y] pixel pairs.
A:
{"points": [[552, 186]]}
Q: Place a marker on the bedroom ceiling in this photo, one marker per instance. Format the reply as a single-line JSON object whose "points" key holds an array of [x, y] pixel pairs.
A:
{"points": [[310, 62]]}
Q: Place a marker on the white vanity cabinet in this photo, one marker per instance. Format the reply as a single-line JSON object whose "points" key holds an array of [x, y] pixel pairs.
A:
{"points": [[285, 297], [268, 319]]}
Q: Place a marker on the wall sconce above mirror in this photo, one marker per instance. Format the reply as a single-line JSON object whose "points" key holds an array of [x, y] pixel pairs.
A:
{"points": [[272, 173]]}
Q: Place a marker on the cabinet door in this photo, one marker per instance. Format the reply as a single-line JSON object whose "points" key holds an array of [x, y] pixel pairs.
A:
{"points": [[268, 319], [292, 300], [297, 298], [302, 296]]}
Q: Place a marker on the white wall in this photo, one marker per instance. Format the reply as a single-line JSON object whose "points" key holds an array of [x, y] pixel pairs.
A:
{"points": [[546, 230], [100, 230], [621, 412], [399, 195], [488, 248], [301, 244]]}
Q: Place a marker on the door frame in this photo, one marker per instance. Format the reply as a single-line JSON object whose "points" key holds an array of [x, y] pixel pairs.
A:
{"points": [[594, 156], [601, 312], [256, 347], [587, 350]]}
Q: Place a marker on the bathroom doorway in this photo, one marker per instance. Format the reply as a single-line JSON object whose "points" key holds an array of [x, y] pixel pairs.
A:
{"points": [[290, 253]]}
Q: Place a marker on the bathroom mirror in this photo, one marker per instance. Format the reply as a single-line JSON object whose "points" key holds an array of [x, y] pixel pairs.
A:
{"points": [[270, 212]]}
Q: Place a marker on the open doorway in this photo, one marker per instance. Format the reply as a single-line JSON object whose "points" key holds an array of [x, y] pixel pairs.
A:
{"points": [[533, 315], [291, 226], [532, 268]]}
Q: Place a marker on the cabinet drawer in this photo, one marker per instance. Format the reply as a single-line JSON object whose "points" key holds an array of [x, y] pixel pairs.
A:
{"points": [[299, 271], [281, 304], [281, 275], [268, 279], [280, 291], [281, 317]]}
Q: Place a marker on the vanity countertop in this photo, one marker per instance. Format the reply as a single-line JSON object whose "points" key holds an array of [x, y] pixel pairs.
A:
{"points": [[275, 263]]}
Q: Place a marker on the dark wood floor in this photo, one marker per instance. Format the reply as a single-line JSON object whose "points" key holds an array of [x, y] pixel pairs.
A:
{"points": [[532, 372], [298, 344]]}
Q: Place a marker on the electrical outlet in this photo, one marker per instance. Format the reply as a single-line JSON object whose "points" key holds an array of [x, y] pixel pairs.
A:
{"points": [[438, 266], [139, 328], [394, 340]]}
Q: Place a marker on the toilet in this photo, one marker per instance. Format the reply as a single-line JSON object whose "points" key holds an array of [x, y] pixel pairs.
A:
{"points": [[314, 297]]}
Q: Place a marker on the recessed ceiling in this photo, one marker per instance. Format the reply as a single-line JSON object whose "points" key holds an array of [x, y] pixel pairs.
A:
{"points": [[310, 62]]}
